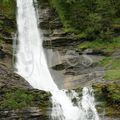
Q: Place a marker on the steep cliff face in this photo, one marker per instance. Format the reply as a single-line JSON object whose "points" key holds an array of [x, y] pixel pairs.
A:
{"points": [[81, 67], [7, 30], [87, 65], [18, 100]]}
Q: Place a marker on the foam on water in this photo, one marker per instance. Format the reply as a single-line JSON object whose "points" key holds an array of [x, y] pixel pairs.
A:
{"points": [[32, 65]]}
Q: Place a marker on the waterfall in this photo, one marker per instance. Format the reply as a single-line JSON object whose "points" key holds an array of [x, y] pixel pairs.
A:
{"points": [[31, 64]]}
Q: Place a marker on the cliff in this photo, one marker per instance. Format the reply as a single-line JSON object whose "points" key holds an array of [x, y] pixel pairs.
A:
{"points": [[18, 100], [76, 62]]}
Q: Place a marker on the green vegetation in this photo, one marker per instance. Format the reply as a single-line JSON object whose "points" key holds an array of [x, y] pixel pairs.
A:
{"points": [[112, 75], [92, 19], [112, 66], [109, 95], [18, 98], [114, 93], [99, 45], [7, 19], [98, 22], [110, 62], [8, 8]]}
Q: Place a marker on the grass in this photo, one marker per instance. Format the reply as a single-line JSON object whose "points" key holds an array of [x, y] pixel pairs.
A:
{"points": [[109, 96], [101, 45], [71, 30], [112, 75], [114, 90], [108, 93], [16, 99], [117, 21], [112, 66], [8, 8], [111, 62], [20, 98], [106, 62]]}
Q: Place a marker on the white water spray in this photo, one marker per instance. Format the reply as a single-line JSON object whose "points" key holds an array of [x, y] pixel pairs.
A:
{"points": [[32, 65]]}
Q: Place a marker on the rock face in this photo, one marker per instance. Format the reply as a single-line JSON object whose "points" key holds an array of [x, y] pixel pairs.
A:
{"points": [[18, 100], [77, 68], [7, 32], [108, 95], [9, 79], [29, 114]]}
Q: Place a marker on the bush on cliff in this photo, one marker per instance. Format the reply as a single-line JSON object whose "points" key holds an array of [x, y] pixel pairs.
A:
{"points": [[93, 18]]}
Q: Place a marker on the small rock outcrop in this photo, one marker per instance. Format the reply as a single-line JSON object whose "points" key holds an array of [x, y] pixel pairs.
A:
{"points": [[18, 100]]}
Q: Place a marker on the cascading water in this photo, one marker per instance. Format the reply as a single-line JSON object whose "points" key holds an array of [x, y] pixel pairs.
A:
{"points": [[31, 64]]}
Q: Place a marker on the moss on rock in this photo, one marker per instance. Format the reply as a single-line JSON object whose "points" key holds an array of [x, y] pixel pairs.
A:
{"points": [[18, 98], [109, 97]]}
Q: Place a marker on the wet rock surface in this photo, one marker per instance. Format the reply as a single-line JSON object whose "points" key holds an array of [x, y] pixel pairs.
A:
{"points": [[9, 79], [18, 100], [29, 114], [77, 69]]}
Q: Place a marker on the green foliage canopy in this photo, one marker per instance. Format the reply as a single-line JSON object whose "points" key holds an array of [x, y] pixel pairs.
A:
{"points": [[93, 18]]}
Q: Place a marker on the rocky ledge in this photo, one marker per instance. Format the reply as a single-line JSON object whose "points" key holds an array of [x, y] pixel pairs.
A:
{"points": [[18, 100], [83, 67]]}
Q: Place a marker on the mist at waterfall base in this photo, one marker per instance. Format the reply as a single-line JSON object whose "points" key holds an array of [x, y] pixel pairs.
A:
{"points": [[31, 64]]}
